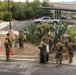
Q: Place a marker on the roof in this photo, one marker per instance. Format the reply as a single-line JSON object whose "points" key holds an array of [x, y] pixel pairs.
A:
{"points": [[54, 8]]}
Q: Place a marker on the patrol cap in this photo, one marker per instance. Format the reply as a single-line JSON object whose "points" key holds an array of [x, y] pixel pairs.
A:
{"points": [[20, 31], [58, 40], [7, 34]]}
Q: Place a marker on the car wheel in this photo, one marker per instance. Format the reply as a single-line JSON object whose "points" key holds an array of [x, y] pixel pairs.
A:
{"points": [[55, 23], [37, 22]]}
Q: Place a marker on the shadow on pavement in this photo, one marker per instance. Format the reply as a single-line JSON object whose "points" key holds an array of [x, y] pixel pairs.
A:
{"points": [[7, 73]]}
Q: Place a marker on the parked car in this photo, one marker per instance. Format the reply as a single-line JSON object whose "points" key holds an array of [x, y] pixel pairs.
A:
{"points": [[63, 17], [73, 17], [46, 19]]}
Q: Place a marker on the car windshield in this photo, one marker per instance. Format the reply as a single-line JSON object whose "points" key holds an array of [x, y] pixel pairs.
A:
{"points": [[45, 18]]}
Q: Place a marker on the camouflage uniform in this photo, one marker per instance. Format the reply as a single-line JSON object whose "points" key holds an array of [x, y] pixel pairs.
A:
{"points": [[65, 39], [70, 51], [42, 48], [59, 50], [21, 37], [7, 49], [10, 39], [45, 38]]}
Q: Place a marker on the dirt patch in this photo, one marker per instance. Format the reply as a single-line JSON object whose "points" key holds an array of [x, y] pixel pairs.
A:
{"points": [[28, 50], [2, 49]]}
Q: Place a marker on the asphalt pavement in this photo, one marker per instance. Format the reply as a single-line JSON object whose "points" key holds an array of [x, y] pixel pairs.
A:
{"points": [[27, 67], [6, 73], [18, 25], [15, 25]]}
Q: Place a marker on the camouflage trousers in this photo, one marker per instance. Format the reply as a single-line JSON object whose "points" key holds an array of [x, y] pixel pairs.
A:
{"points": [[50, 45], [42, 57], [47, 56], [70, 56], [21, 43], [58, 57], [7, 53]]}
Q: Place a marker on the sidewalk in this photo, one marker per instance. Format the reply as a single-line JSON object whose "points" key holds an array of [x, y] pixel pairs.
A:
{"points": [[5, 32], [21, 57], [73, 63], [3, 24], [34, 58]]}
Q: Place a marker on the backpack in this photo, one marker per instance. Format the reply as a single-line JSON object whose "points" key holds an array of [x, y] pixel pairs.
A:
{"points": [[10, 40]]}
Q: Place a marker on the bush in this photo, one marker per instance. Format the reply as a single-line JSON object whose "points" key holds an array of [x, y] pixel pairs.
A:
{"points": [[31, 33], [72, 33], [44, 28], [48, 26], [19, 15], [1, 15], [6, 16], [59, 31], [34, 33]]}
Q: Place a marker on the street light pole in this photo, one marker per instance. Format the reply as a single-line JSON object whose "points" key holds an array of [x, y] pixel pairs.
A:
{"points": [[9, 14]]}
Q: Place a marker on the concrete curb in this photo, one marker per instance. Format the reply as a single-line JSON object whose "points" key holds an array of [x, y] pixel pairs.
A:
{"points": [[35, 58], [5, 32], [21, 56]]}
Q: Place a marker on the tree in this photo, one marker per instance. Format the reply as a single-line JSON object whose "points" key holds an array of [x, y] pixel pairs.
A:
{"points": [[32, 10], [26, 10], [46, 12], [6, 16], [1, 15], [19, 11]]}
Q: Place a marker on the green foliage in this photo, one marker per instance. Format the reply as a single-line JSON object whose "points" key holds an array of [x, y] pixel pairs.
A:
{"points": [[34, 32], [59, 31], [44, 28], [6, 16], [4, 6], [19, 15], [29, 13], [72, 32], [18, 11], [26, 10], [1, 15], [31, 33], [48, 26]]}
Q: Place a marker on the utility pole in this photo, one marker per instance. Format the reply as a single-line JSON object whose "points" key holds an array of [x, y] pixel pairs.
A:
{"points": [[9, 7]]}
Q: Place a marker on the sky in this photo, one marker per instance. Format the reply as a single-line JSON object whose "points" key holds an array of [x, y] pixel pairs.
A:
{"points": [[50, 0]]}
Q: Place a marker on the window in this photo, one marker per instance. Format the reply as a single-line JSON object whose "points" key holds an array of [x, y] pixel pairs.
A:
{"points": [[45, 18]]}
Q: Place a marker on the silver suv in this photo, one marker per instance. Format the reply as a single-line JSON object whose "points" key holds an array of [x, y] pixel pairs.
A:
{"points": [[46, 19], [74, 16]]}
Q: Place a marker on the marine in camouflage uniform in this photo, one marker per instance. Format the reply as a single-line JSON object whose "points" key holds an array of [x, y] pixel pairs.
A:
{"points": [[21, 37], [42, 48], [7, 49], [65, 39], [45, 38], [10, 39], [70, 46], [41, 30], [59, 51]]}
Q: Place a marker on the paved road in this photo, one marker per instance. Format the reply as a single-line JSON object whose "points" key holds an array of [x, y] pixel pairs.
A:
{"points": [[25, 67], [17, 25]]}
